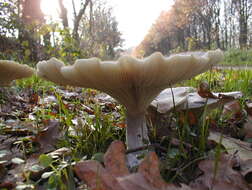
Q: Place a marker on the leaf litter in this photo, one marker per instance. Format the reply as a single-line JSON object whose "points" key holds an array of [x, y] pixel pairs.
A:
{"points": [[20, 134]]}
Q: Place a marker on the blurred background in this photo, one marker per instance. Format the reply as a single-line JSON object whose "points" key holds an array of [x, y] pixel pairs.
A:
{"points": [[33, 30]]}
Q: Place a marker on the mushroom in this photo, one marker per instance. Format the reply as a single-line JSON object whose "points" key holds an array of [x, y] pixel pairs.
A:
{"points": [[133, 82], [10, 70]]}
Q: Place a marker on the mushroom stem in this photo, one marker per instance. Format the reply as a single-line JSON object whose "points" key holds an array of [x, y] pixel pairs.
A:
{"points": [[137, 133]]}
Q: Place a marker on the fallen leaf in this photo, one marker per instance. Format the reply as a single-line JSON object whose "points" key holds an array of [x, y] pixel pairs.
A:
{"points": [[17, 161], [204, 91], [176, 142], [96, 177], [48, 100], [66, 94], [188, 117], [232, 109], [185, 98], [104, 98], [34, 98], [48, 138], [18, 128], [149, 168], [32, 166], [115, 175], [3, 171], [248, 107], [7, 185], [247, 128], [121, 125], [246, 170], [14, 175], [60, 152], [233, 146], [135, 182], [116, 167], [88, 109], [6, 142], [219, 175], [8, 149]]}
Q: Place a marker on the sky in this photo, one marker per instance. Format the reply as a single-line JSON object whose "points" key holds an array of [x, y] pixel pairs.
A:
{"points": [[134, 17]]}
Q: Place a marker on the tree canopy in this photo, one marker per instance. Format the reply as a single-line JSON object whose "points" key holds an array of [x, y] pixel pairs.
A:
{"points": [[203, 24], [26, 34]]}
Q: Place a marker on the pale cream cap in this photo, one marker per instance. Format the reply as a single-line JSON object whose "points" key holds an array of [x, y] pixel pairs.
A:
{"points": [[133, 82], [10, 70]]}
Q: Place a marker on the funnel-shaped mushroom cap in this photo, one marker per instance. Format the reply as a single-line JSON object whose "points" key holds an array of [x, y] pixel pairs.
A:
{"points": [[133, 82], [10, 70], [50, 70]]}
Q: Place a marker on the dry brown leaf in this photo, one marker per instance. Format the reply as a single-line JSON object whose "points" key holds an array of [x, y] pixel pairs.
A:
{"points": [[232, 108], [115, 160], [96, 177], [204, 91], [34, 99], [148, 177], [136, 182], [121, 125], [7, 185], [248, 107], [3, 172], [47, 139], [60, 152], [88, 109], [116, 175], [32, 161], [14, 175], [149, 168], [219, 175], [11, 151], [247, 128]]}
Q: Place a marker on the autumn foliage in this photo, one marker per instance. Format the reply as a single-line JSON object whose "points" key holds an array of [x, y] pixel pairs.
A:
{"points": [[196, 25]]}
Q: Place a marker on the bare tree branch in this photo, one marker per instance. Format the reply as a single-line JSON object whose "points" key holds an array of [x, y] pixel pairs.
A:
{"points": [[78, 18], [63, 14], [74, 9]]}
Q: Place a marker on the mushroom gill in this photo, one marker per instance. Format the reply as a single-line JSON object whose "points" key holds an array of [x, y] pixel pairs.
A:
{"points": [[133, 82]]}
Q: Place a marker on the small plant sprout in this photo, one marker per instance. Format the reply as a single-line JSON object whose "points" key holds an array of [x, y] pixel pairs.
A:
{"points": [[133, 82], [10, 70]]}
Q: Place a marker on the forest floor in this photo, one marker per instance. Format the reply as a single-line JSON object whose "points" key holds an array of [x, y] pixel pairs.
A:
{"points": [[48, 135], [234, 67]]}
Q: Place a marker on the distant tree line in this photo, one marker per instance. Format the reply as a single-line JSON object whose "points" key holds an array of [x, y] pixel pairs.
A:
{"points": [[200, 24], [26, 34]]}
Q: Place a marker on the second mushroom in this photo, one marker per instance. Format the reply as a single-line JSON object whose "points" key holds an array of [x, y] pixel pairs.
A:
{"points": [[133, 82]]}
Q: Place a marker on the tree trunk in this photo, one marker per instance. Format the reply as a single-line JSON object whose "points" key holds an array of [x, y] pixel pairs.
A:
{"points": [[244, 9], [243, 36], [63, 14], [217, 23], [77, 20], [31, 12], [32, 17]]}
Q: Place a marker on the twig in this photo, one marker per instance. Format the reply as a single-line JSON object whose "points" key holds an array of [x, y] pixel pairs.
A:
{"points": [[147, 147], [180, 170]]}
